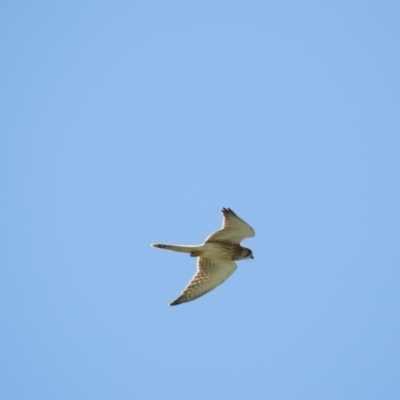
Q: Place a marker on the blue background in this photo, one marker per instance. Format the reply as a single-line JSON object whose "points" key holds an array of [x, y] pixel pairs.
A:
{"points": [[131, 122]]}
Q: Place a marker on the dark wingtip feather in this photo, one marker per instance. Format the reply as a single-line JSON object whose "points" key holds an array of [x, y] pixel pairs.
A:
{"points": [[175, 302], [227, 210]]}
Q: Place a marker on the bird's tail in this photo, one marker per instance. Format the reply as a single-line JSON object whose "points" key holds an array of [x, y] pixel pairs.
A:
{"points": [[193, 250]]}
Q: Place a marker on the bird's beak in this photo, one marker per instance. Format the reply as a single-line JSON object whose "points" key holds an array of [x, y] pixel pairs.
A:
{"points": [[252, 257]]}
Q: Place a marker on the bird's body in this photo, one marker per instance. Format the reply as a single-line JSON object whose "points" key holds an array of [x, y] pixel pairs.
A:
{"points": [[219, 250], [216, 256]]}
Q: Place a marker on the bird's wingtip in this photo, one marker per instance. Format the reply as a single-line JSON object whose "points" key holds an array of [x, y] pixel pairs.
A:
{"points": [[227, 210], [177, 301]]}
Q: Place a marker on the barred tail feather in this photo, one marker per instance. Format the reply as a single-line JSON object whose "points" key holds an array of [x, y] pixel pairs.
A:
{"points": [[182, 249]]}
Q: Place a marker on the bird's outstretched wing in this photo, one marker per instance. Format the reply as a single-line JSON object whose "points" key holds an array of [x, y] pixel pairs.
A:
{"points": [[234, 229], [210, 273]]}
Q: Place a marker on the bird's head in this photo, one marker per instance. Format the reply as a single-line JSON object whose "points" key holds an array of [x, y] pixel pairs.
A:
{"points": [[246, 253]]}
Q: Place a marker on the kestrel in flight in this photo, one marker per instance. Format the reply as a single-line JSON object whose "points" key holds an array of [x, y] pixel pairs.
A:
{"points": [[216, 256]]}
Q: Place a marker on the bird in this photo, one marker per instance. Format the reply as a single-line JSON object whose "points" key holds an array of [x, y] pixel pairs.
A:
{"points": [[216, 256]]}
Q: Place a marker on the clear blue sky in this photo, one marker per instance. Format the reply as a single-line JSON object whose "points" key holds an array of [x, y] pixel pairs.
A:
{"points": [[132, 122]]}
